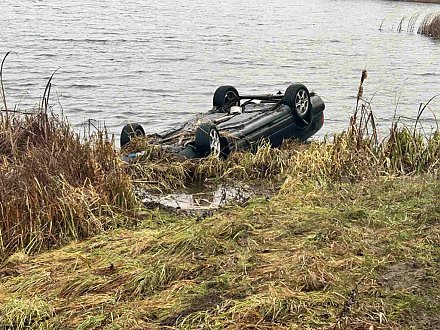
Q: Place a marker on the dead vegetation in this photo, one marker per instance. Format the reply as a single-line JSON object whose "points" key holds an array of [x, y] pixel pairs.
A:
{"points": [[53, 186], [428, 25], [431, 26], [349, 241]]}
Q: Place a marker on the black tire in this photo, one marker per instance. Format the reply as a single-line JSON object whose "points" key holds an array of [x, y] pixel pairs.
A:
{"points": [[208, 141], [297, 97], [224, 95], [130, 131]]}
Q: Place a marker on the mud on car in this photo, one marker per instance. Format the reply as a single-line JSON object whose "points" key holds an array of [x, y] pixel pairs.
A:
{"points": [[240, 122]]}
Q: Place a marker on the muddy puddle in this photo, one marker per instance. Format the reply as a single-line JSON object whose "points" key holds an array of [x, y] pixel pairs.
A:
{"points": [[200, 199]]}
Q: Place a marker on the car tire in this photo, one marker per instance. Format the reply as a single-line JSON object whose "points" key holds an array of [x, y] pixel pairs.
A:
{"points": [[297, 97], [223, 95], [129, 131], [209, 142]]}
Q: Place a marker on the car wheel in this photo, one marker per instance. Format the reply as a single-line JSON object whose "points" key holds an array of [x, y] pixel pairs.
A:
{"points": [[130, 131], [209, 142], [297, 97], [224, 95]]}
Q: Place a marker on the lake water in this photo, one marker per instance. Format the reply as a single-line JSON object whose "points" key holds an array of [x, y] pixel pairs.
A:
{"points": [[159, 62]]}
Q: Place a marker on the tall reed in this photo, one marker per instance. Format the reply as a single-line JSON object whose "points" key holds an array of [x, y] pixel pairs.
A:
{"points": [[53, 186], [431, 26]]}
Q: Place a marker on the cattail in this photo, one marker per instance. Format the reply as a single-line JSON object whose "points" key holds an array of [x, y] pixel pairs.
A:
{"points": [[361, 88]]}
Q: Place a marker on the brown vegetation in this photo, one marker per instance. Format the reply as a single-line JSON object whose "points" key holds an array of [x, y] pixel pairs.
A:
{"points": [[349, 241], [431, 26], [53, 186], [353, 155]]}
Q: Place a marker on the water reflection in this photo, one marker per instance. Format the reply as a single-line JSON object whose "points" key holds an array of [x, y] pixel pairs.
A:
{"points": [[199, 199]]}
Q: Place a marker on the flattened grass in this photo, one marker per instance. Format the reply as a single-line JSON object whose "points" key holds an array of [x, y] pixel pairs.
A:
{"points": [[340, 255]]}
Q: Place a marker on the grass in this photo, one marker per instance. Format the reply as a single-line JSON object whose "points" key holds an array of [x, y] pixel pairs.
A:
{"points": [[351, 155], [349, 240], [431, 26], [291, 262], [53, 186], [24, 314]]}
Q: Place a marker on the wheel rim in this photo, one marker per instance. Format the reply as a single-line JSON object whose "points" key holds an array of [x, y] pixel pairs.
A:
{"points": [[134, 134], [229, 97], [214, 142], [301, 102]]}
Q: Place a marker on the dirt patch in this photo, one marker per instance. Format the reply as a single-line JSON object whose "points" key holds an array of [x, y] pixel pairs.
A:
{"points": [[409, 276], [418, 288]]}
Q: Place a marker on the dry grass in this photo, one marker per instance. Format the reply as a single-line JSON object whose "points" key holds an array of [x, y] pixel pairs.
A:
{"points": [[431, 26], [167, 172], [339, 256], [53, 186], [350, 240]]}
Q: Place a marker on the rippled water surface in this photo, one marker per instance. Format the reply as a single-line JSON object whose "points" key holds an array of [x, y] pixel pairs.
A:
{"points": [[158, 62]]}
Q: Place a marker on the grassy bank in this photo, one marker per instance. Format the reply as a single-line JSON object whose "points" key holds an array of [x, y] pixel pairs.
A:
{"points": [[55, 186], [354, 256], [349, 239]]}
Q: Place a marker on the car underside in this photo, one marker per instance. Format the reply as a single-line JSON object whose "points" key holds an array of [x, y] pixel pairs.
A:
{"points": [[241, 123]]}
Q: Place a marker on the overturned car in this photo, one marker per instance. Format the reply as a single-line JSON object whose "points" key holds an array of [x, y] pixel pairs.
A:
{"points": [[241, 122]]}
